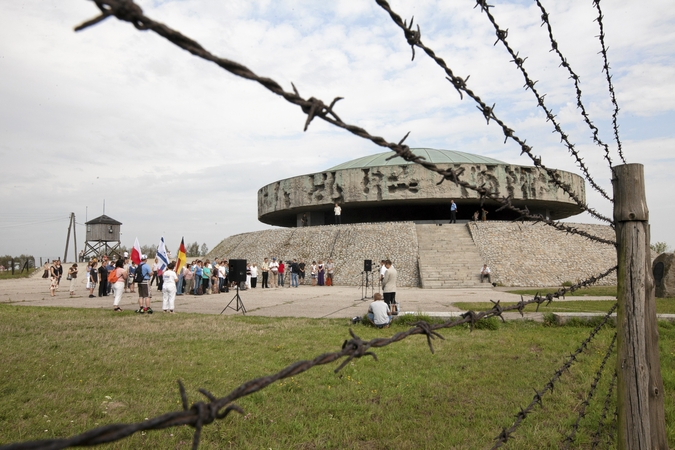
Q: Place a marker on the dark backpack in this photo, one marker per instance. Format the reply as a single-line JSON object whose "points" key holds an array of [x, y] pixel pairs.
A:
{"points": [[138, 275]]}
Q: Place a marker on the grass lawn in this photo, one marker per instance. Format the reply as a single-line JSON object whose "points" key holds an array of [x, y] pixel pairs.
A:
{"points": [[68, 370], [594, 291], [663, 306], [7, 274]]}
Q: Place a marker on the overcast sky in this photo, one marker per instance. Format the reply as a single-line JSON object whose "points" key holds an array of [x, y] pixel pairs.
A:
{"points": [[176, 146]]}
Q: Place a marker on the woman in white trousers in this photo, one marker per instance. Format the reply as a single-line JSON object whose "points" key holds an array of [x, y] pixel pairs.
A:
{"points": [[169, 287], [118, 286]]}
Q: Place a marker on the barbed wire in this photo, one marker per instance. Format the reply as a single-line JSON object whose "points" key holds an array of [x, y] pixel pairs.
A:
{"points": [[587, 401], [507, 433], [605, 409], [605, 69], [413, 37], [128, 11], [204, 413], [201, 413], [530, 84], [564, 63]]}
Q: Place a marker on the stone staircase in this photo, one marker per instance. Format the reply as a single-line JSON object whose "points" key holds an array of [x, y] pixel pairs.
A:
{"points": [[448, 257]]}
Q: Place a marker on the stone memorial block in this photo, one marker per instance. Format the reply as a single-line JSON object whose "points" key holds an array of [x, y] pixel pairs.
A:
{"points": [[663, 269]]}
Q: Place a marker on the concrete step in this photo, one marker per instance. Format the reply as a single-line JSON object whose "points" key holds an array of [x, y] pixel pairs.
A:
{"points": [[448, 257]]}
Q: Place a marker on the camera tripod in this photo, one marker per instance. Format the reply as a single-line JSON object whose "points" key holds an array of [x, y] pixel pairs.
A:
{"points": [[239, 305]]}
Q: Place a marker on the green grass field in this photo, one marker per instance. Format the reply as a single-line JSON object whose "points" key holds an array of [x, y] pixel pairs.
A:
{"points": [[663, 306], [7, 274], [591, 291], [68, 370]]}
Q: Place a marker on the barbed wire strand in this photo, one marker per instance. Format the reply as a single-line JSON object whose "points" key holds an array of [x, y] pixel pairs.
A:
{"points": [[201, 413], [605, 69], [128, 11], [601, 423], [587, 401], [530, 84], [413, 38], [580, 105], [507, 433]]}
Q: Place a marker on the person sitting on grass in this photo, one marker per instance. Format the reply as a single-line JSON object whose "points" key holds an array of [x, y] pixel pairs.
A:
{"points": [[379, 313]]}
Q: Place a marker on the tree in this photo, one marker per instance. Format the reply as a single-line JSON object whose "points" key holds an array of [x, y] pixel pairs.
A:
{"points": [[19, 261], [204, 249], [192, 249], [149, 250], [659, 247]]}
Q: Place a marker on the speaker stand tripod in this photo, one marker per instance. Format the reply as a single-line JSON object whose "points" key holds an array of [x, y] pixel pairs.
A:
{"points": [[366, 281], [239, 305]]}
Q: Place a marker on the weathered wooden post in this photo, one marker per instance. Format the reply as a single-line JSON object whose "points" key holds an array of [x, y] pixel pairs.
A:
{"points": [[641, 421]]}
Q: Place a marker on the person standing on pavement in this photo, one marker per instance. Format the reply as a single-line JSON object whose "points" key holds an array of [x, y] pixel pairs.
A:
{"points": [[93, 277], [389, 283], [295, 272], [103, 278], [118, 286], [53, 279], [143, 288], [274, 272], [383, 269], [330, 267], [265, 269], [72, 275], [453, 211], [169, 287]]}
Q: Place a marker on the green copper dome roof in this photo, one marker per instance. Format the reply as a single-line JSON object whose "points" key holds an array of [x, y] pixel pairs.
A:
{"points": [[430, 154]]}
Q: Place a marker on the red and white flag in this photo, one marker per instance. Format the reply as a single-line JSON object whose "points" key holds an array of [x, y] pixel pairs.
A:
{"points": [[136, 252]]}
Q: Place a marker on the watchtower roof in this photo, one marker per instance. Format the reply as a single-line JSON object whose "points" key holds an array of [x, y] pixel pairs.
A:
{"points": [[103, 220]]}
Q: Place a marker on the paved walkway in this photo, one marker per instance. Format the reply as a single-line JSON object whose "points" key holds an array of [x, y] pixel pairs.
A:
{"points": [[305, 301]]}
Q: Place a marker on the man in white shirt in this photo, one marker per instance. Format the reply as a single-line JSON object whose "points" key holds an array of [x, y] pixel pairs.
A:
{"points": [[338, 214], [274, 271], [383, 269], [485, 273], [379, 313], [389, 283]]}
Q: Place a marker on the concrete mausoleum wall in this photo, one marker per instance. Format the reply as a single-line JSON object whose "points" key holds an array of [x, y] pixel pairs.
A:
{"points": [[347, 245], [519, 253], [536, 254]]}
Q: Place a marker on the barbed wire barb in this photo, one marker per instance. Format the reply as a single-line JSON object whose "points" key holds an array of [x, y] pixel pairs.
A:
{"points": [[460, 85], [577, 83], [605, 409], [612, 95], [587, 401], [507, 433], [502, 36], [128, 11]]}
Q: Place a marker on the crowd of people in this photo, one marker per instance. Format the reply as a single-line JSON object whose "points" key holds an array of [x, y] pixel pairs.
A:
{"points": [[212, 277], [199, 277]]}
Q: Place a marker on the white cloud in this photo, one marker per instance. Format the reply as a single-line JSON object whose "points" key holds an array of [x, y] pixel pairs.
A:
{"points": [[97, 114]]}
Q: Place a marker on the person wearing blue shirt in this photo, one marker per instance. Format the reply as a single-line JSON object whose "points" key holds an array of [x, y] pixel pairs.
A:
{"points": [[198, 277], [453, 211], [143, 290]]}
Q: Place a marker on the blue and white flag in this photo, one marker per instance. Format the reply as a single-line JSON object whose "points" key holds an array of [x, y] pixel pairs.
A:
{"points": [[161, 255]]}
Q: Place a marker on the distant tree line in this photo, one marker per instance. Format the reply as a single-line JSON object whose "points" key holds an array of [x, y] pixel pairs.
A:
{"points": [[19, 261], [191, 250]]}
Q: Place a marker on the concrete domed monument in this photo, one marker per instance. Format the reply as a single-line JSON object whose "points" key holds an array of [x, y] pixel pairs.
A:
{"points": [[379, 189], [390, 209]]}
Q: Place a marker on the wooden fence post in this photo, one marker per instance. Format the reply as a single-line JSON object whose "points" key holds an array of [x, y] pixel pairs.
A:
{"points": [[641, 417]]}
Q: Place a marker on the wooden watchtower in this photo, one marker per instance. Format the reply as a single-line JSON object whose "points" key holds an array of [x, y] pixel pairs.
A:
{"points": [[103, 237]]}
